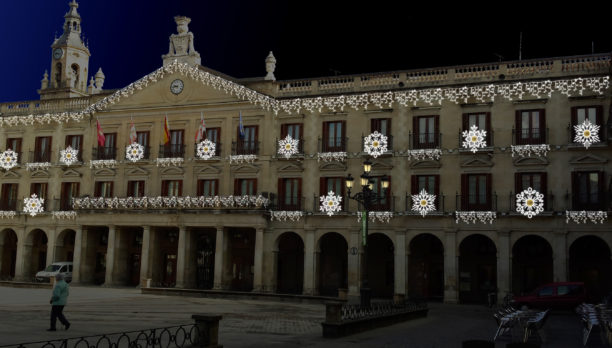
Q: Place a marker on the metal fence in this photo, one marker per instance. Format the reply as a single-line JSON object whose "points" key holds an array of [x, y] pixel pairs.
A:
{"points": [[377, 309]]}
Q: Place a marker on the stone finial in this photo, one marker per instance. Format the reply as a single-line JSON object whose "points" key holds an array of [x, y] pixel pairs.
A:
{"points": [[91, 87], [44, 83], [270, 67], [100, 79]]}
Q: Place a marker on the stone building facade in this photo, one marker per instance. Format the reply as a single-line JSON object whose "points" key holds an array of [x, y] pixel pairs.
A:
{"points": [[249, 219]]}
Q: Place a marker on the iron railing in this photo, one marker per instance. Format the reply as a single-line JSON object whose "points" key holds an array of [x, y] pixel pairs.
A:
{"points": [[389, 143], [476, 202], [245, 147], [438, 203], [425, 140], [595, 201], [289, 203], [62, 204], [217, 149], [9, 204], [386, 203], [172, 151], [378, 309], [529, 136], [331, 144], [104, 153], [40, 156]]}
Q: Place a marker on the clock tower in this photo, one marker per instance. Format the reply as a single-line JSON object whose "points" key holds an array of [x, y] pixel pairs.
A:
{"points": [[69, 61]]}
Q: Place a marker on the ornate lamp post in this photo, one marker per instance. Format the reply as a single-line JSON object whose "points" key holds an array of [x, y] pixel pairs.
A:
{"points": [[367, 197]]}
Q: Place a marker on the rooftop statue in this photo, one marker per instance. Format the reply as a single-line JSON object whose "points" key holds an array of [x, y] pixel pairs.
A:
{"points": [[181, 44]]}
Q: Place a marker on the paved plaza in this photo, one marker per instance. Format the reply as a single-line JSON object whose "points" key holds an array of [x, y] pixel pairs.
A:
{"points": [[24, 317]]}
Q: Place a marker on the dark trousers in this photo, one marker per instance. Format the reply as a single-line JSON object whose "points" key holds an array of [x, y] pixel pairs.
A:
{"points": [[56, 313]]}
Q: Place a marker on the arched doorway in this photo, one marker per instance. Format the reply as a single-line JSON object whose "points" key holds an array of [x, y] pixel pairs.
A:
{"points": [[37, 250], [64, 246], [8, 254], [380, 265], [333, 262], [532, 264], [477, 269], [242, 256], [589, 262], [426, 267], [290, 264]]}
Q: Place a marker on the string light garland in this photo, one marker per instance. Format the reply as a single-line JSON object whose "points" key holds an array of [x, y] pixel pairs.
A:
{"points": [[170, 162], [283, 215], [331, 156], [97, 164], [380, 216], [582, 216], [64, 215], [475, 216], [170, 202], [7, 214], [38, 166], [239, 159], [530, 150]]}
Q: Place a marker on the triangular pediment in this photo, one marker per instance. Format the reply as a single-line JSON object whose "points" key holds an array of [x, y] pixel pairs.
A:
{"points": [[172, 171], [381, 165], [40, 173], [11, 174], [245, 168], [425, 164], [104, 172], [328, 166], [588, 159], [136, 171], [477, 161], [531, 161], [208, 169], [71, 173]]}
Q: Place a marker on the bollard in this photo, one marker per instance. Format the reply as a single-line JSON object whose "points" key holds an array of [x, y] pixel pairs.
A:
{"points": [[208, 330], [333, 312]]}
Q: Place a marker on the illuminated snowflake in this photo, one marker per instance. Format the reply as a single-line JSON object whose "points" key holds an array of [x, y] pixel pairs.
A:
{"points": [[530, 202], [33, 205], [474, 139], [69, 156], [330, 204], [134, 152], [287, 147], [586, 133], [423, 203], [375, 144], [8, 159], [206, 149]]}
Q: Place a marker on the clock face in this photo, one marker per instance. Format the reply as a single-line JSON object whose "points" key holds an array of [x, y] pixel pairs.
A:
{"points": [[58, 53], [176, 86]]}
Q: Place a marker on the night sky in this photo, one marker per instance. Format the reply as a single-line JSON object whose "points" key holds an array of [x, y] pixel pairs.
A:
{"points": [[309, 38]]}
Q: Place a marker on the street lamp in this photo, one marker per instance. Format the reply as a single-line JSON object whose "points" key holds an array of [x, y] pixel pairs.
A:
{"points": [[367, 197]]}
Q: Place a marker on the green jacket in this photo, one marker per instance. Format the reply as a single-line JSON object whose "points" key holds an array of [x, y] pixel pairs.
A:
{"points": [[60, 293]]}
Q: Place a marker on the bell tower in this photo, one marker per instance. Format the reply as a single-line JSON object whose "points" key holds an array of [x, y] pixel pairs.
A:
{"points": [[69, 61]]}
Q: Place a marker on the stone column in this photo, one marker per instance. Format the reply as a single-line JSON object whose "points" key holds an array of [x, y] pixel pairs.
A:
{"points": [[559, 248], [451, 268], [354, 258], [110, 255], [503, 264], [309, 262], [219, 252], [51, 243], [20, 262], [181, 258], [258, 264], [400, 264], [76, 258], [145, 256]]}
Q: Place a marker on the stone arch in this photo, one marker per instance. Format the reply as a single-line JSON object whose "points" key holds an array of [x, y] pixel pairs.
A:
{"points": [[532, 263], [332, 264], [589, 262], [64, 245], [35, 256], [289, 248], [8, 253], [426, 267], [381, 265], [477, 268], [462, 235]]}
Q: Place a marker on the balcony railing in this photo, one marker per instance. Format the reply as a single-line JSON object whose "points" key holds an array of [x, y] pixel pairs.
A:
{"points": [[343, 205], [549, 202], [489, 140], [595, 201], [104, 153], [217, 149], [438, 203], [60, 204], [172, 151], [385, 204], [530, 136], [289, 203], [333, 144], [425, 140], [245, 147], [300, 147], [10, 204], [40, 156], [389, 143], [476, 202]]}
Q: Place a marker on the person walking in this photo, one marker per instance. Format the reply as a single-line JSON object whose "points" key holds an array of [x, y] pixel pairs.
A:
{"points": [[58, 301]]}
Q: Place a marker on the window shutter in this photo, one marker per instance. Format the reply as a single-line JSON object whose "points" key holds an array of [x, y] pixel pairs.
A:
{"points": [[112, 184], [517, 127], [601, 202], [388, 126], [180, 188], [414, 185], [281, 191], [518, 185], [200, 188], [283, 131], [466, 122], [322, 186], [574, 190], [437, 130], [141, 189], [374, 125], [165, 188], [542, 126], [574, 120], [415, 132], [32, 188], [343, 135], [255, 185], [544, 183], [489, 191], [599, 120], [299, 193], [464, 191], [438, 201], [489, 129], [130, 188], [236, 187], [97, 189]]}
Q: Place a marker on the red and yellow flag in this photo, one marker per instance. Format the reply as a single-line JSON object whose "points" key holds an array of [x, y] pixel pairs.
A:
{"points": [[166, 130]]}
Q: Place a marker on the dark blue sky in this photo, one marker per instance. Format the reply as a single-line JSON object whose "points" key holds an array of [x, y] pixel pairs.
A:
{"points": [[309, 38]]}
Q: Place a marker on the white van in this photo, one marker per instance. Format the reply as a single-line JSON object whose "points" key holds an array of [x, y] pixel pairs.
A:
{"points": [[53, 269]]}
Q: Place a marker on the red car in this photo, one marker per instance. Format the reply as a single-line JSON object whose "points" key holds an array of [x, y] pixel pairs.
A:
{"points": [[553, 295]]}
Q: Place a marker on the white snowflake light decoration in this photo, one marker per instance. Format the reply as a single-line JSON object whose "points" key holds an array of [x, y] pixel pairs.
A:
{"points": [[8, 159], [474, 139], [33, 205], [287, 147], [206, 149], [586, 133], [330, 204], [530, 202], [375, 144], [423, 203], [69, 156], [134, 152]]}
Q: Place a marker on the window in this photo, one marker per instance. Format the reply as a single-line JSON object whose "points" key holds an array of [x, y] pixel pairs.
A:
{"points": [[69, 190], [383, 126], [593, 113], [530, 127], [108, 151], [244, 187], [213, 134], [142, 138], [476, 192], [136, 188], [172, 188], [546, 291], [40, 190], [334, 136], [9, 197], [42, 149], [289, 193], [425, 130], [103, 189], [536, 181], [295, 131], [76, 142], [335, 184], [15, 145], [587, 188], [482, 120], [429, 183], [208, 187], [384, 203], [174, 148], [247, 145]]}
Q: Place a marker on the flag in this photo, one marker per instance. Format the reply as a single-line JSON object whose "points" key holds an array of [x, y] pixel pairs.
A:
{"points": [[166, 130], [133, 135], [201, 132], [101, 137], [241, 127]]}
